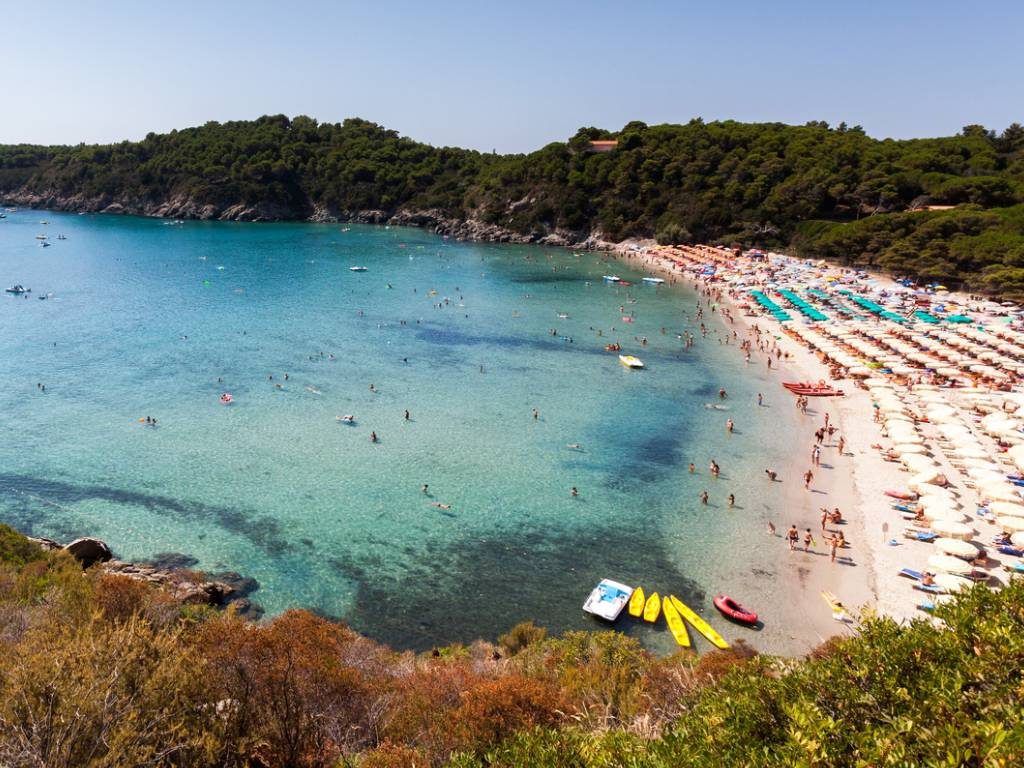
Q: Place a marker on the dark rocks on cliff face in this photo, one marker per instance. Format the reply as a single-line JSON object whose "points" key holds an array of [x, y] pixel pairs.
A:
{"points": [[89, 551], [169, 561]]}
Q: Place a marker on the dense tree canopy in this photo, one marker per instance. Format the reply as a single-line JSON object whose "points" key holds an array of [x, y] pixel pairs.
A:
{"points": [[713, 182]]}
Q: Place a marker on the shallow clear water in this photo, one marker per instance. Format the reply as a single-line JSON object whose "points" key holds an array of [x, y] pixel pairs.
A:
{"points": [[146, 316]]}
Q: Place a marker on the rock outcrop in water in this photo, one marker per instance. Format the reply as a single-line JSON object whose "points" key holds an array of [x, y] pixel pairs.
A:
{"points": [[182, 207], [169, 571]]}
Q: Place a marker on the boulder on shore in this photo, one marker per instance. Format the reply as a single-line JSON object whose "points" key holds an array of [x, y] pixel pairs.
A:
{"points": [[89, 551]]}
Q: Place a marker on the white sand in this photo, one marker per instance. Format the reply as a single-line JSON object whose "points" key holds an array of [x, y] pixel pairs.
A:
{"points": [[865, 576]]}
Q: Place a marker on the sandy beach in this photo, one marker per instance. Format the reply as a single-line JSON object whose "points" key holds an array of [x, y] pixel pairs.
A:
{"points": [[865, 575]]}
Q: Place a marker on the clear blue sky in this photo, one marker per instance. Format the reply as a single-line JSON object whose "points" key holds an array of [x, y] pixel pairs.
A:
{"points": [[512, 75]]}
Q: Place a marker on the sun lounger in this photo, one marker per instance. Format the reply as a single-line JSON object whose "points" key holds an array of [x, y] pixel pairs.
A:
{"points": [[911, 574]]}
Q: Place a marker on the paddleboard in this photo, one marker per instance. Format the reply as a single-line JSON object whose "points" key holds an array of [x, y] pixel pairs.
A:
{"points": [[675, 624], [652, 608], [636, 603], [699, 624]]}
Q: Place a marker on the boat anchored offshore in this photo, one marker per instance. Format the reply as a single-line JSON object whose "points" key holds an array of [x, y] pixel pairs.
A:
{"points": [[357, 269], [608, 600], [653, 280], [631, 362], [17, 289], [612, 278]]}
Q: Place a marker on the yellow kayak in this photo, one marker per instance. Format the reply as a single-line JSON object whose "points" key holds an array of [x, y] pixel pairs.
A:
{"points": [[636, 603], [676, 624], [652, 608], [699, 624]]}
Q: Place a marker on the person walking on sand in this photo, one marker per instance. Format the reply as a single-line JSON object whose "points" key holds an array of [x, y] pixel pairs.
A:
{"points": [[732, 500], [824, 517], [771, 528], [833, 544], [808, 476], [808, 540], [842, 445], [792, 536]]}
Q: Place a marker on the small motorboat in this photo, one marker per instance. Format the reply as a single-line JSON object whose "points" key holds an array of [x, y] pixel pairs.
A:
{"points": [[734, 611], [226, 398], [636, 603], [612, 278], [62, 237], [631, 362], [357, 269], [675, 624], [652, 608], [608, 600], [653, 280], [41, 237], [17, 289]]}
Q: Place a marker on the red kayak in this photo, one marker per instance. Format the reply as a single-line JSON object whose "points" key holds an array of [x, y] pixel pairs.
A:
{"points": [[733, 610], [812, 390]]}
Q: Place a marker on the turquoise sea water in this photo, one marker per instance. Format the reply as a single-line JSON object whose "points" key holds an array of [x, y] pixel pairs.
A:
{"points": [[145, 317]]}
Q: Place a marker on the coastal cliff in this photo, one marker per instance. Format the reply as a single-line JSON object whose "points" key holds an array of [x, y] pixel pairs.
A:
{"points": [[820, 191], [186, 208]]}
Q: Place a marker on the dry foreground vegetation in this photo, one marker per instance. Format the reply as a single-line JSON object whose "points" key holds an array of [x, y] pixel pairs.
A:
{"points": [[103, 670]]}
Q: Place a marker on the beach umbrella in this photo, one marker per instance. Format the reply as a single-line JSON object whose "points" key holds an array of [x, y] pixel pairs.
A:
{"points": [[997, 493], [934, 514], [1017, 539], [909, 448], [983, 464], [918, 463], [930, 500], [971, 451], [1007, 508], [947, 582], [954, 531], [1012, 524], [949, 564], [926, 476]]}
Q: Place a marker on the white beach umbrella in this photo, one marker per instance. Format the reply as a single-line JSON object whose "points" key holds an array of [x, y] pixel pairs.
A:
{"points": [[1007, 508], [948, 514], [949, 564], [1011, 524], [971, 451], [929, 500], [955, 531], [1017, 539], [918, 463], [957, 433], [902, 448], [983, 464], [997, 493], [925, 479], [950, 583]]}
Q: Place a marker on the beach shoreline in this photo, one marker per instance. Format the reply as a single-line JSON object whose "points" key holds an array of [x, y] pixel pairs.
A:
{"points": [[868, 473]]}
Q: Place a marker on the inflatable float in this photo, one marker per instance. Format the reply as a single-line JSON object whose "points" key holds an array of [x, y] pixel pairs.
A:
{"points": [[734, 611]]}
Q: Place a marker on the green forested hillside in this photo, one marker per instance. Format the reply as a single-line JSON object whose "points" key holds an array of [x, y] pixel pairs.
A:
{"points": [[767, 184]]}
